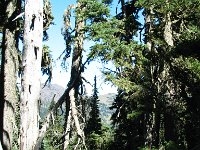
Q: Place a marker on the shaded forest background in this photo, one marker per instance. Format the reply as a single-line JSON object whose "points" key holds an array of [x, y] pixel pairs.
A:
{"points": [[155, 66]]}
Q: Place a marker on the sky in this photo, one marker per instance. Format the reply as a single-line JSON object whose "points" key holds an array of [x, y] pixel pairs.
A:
{"points": [[56, 44]]}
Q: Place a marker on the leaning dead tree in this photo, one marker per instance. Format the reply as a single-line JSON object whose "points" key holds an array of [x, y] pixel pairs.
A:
{"points": [[75, 75]]}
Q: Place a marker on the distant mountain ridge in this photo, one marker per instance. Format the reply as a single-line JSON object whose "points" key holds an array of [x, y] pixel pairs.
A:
{"points": [[47, 95], [105, 101], [107, 98], [48, 92]]}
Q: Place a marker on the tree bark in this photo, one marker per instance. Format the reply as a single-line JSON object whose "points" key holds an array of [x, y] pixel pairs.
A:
{"points": [[150, 116], [169, 124], [75, 73], [9, 68], [30, 90], [67, 130], [168, 30]]}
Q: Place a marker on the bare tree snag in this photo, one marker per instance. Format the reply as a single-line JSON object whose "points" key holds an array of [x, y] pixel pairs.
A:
{"points": [[30, 93], [75, 115], [67, 130], [71, 90], [76, 75]]}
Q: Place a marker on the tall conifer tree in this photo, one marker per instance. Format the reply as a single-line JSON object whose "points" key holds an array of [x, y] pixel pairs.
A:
{"points": [[9, 68], [94, 122]]}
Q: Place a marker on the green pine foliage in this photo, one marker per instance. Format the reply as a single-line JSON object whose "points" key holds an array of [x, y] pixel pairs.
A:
{"points": [[128, 122], [103, 141], [54, 136], [46, 64], [93, 125], [157, 88]]}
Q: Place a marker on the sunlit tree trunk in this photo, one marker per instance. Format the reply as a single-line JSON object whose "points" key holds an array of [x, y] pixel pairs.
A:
{"points": [[168, 30], [9, 66], [67, 129], [30, 90]]}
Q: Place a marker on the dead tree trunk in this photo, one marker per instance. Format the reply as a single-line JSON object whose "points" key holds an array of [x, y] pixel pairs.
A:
{"points": [[67, 130], [30, 88], [71, 93], [75, 74]]}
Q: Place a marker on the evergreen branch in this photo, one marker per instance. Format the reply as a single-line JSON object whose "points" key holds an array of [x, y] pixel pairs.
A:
{"points": [[110, 70]]}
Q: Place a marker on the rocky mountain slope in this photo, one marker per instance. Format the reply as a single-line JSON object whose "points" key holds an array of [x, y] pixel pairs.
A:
{"points": [[48, 92]]}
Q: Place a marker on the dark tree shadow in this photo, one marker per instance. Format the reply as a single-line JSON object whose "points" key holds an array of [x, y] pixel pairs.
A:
{"points": [[8, 24]]}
